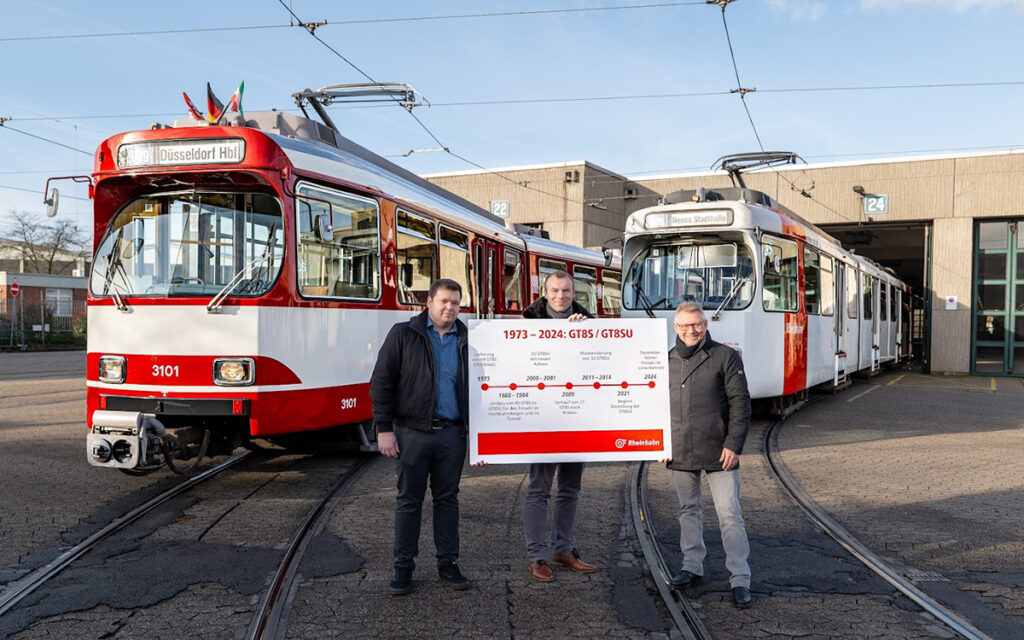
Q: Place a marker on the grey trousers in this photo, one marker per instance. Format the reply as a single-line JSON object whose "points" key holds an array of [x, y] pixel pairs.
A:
{"points": [[535, 508], [725, 491]]}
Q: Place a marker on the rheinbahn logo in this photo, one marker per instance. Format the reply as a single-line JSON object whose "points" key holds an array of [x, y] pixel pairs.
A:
{"points": [[621, 442]]}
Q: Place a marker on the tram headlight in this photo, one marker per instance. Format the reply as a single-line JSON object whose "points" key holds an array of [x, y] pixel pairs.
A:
{"points": [[112, 369], [234, 372]]}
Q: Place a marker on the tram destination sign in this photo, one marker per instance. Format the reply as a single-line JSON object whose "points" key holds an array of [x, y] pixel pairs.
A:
{"points": [[180, 152]]}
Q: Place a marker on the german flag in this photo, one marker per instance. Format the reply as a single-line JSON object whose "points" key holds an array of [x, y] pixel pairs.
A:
{"points": [[214, 107]]}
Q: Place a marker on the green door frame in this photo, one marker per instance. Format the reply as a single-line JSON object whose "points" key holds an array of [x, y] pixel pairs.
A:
{"points": [[1010, 318]]}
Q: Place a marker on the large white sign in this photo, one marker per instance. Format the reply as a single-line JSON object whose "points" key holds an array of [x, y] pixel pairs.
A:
{"points": [[560, 391]]}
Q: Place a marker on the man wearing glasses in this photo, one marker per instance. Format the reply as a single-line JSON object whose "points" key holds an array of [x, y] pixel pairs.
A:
{"points": [[710, 418]]}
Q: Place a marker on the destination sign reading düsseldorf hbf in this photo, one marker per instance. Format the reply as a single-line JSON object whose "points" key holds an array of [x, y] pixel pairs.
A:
{"points": [[179, 152]]}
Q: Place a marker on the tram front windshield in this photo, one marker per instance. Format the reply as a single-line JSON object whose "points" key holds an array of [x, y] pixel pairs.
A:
{"points": [[661, 276], [191, 244]]}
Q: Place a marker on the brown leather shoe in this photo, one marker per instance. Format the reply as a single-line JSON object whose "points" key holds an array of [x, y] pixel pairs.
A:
{"points": [[572, 560], [541, 571]]}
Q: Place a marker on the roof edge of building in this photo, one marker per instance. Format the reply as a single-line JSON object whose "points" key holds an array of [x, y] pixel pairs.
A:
{"points": [[844, 163]]}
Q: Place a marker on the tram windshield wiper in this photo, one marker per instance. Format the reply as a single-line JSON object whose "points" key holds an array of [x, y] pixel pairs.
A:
{"points": [[243, 275], [732, 293], [642, 297], [114, 265]]}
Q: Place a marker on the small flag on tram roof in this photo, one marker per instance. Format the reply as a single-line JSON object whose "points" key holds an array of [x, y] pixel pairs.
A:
{"points": [[235, 103], [191, 107], [214, 107]]}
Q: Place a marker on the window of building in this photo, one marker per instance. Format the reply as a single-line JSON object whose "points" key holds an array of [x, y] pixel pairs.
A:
{"points": [[611, 295], [417, 258], [512, 280], [339, 244], [780, 274], [812, 281], [455, 262], [58, 302], [585, 285], [828, 286]]}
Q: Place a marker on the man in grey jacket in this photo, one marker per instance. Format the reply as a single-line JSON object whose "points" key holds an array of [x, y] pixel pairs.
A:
{"points": [[710, 407]]}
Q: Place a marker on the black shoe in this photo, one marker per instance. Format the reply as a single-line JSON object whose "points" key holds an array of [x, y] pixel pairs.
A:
{"points": [[401, 584], [684, 579], [449, 572], [741, 597]]}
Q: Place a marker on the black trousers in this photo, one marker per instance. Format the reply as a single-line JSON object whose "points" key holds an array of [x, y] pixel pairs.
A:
{"points": [[436, 457]]}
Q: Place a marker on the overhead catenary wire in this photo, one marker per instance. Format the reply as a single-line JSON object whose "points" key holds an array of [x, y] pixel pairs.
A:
{"points": [[312, 27], [6, 127], [570, 99], [462, 16]]}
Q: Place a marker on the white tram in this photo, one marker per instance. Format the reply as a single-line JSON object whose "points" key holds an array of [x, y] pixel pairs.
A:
{"points": [[246, 273], [801, 310]]}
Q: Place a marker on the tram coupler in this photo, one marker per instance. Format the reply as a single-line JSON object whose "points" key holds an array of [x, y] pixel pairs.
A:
{"points": [[125, 440]]}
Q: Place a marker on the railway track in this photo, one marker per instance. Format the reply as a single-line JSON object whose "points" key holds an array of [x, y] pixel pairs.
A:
{"points": [[271, 620], [830, 526], [19, 589], [683, 613]]}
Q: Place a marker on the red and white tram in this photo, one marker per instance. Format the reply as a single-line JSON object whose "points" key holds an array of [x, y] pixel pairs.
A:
{"points": [[245, 276], [800, 309]]}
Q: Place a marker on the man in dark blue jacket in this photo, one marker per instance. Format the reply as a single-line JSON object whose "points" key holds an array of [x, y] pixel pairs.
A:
{"points": [[421, 410]]}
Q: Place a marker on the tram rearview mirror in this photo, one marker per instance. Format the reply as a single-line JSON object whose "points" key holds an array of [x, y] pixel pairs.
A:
{"points": [[51, 202], [705, 256]]}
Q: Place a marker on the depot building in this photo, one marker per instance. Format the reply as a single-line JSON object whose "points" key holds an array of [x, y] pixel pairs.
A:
{"points": [[947, 225]]}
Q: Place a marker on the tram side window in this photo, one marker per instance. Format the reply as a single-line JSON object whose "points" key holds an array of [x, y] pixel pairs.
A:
{"points": [[852, 303], [339, 244], [545, 268], [893, 304], [611, 301], [585, 283], [417, 257], [455, 261], [812, 281], [780, 274], [828, 286], [883, 304], [512, 280], [866, 294]]}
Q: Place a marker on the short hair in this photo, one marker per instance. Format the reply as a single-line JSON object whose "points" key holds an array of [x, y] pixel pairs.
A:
{"points": [[560, 275], [690, 307], [445, 283]]}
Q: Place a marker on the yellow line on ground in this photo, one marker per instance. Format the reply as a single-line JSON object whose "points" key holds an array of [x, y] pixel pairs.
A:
{"points": [[895, 380], [993, 384]]}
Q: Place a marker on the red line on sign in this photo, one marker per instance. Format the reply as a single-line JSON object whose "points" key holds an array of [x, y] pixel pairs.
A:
{"points": [[570, 441]]}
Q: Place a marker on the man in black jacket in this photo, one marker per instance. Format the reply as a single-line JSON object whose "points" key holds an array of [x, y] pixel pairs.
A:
{"points": [[556, 303], [420, 410], [710, 407]]}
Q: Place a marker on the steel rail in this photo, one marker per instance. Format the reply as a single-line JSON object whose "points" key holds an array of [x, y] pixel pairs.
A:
{"points": [[683, 613], [840, 534], [18, 589], [271, 618]]}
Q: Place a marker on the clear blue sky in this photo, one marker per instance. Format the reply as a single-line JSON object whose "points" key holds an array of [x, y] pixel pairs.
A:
{"points": [[55, 87]]}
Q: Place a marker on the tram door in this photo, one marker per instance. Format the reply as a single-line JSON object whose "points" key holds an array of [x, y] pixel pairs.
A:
{"points": [[871, 311], [897, 312], [853, 319], [839, 329], [485, 259], [998, 302]]}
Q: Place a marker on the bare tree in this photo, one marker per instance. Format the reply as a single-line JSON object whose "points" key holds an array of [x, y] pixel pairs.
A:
{"points": [[43, 245]]}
